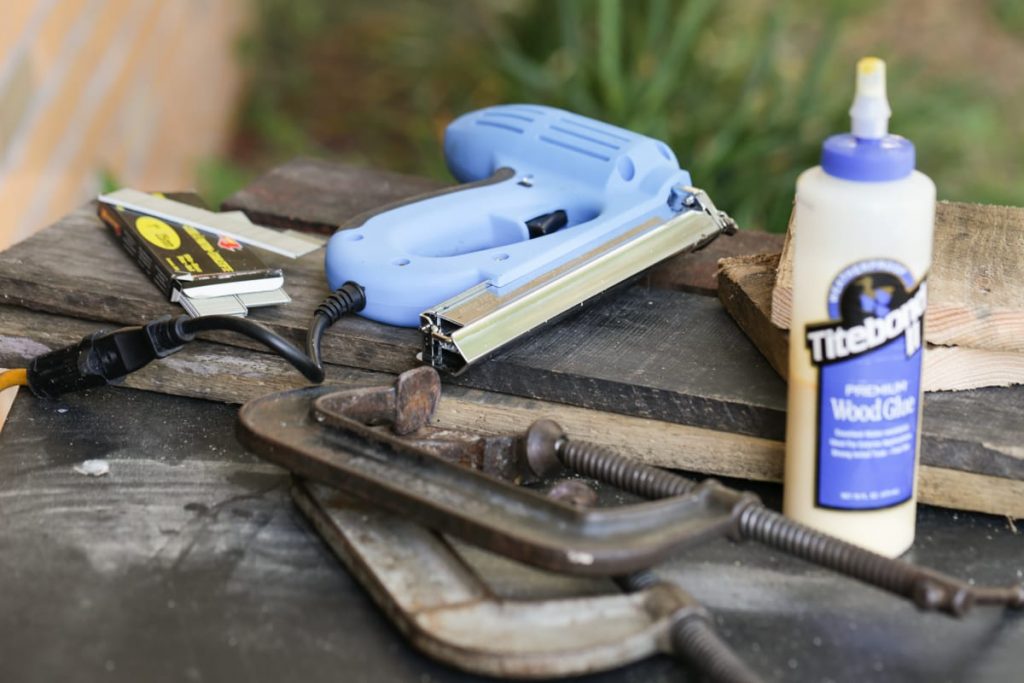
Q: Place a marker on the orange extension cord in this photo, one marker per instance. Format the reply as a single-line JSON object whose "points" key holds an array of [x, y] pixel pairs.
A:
{"points": [[13, 378]]}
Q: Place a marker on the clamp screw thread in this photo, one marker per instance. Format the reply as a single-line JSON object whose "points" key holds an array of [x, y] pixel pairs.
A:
{"points": [[692, 637], [758, 523], [695, 640], [772, 529], [928, 589], [604, 464]]}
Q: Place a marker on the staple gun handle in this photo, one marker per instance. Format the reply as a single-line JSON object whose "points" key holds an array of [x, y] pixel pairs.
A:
{"points": [[496, 211], [540, 187], [414, 254], [359, 220]]}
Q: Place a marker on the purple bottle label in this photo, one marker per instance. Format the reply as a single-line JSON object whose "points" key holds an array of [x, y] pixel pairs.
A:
{"points": [[869, 386]]}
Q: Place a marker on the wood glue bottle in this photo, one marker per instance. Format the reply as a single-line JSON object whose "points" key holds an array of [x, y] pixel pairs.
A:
{"points": [[862, 244]]}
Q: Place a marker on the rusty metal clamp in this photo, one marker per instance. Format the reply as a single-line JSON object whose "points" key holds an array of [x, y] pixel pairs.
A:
{"points": [[461, 484], [447, 610], [329, 437]]}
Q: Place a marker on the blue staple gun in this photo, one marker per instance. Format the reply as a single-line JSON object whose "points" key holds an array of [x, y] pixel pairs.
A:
{"points": [[555, 210]]}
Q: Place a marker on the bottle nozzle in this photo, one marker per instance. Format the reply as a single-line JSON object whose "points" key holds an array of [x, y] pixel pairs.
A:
{"points": [[870, 111]]}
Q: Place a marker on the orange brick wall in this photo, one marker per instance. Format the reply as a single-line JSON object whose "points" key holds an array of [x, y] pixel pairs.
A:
{"points": [[143, 89]]}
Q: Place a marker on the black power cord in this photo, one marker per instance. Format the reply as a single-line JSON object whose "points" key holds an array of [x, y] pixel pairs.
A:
{"points": [[349, 298], [102, 358]]}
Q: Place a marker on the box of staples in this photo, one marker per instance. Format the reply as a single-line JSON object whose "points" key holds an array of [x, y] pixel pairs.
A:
{"points": [[207, 273]]}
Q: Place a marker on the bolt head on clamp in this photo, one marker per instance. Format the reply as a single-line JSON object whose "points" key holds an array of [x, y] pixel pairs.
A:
{"points": [[538, 449]]}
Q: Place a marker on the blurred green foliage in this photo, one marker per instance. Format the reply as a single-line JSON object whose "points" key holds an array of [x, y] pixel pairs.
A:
{"points": [[217, 179], [107, 181], [743, 90], [1010, 13], [721, 89]]}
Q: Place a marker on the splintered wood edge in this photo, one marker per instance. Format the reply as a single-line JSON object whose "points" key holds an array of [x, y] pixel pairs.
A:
{"points": [[782, 293], [968, 491], [946, 368], [955, 368], [7, 397], [975, 308], [742, 291]]}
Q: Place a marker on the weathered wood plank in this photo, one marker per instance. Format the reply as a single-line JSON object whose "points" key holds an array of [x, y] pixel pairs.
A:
{"points": [[976, 283], [745, 288], [188, 561], [183, 562], [315, 195], [967, 491], [221, 373], [671, 356], [981, 427], [698, 272], [646, 350]]}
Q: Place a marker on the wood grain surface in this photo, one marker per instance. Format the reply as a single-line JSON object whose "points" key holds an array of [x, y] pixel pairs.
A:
{"points": [[746, 290], [955, 472], [781, 309], [956, 368], [189, 562], [976, 287], [976, 284], [745, 287], [318, 196]]}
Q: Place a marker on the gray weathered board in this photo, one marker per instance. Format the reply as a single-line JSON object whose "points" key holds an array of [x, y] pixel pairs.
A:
{"points": [[646, 353], [188, 563], [222, 373], [673, 356]]}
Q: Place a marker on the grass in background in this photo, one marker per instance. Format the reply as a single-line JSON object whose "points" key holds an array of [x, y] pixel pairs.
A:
{"points": [[737, 90], [744, 92]]}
